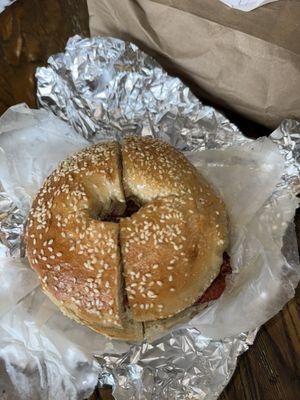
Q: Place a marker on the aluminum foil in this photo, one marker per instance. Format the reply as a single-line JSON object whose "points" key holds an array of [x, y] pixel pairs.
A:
{"points": [[11, 226], [4, 4], [106, 88]]}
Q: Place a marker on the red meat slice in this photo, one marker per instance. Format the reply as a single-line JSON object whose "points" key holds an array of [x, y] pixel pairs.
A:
{"points": [[218, 286]]}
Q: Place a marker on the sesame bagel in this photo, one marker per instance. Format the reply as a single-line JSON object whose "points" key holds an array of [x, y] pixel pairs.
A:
{"points": [[122, 274]]}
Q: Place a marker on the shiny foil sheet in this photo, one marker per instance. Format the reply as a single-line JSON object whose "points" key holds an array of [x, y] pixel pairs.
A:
{"points": [[106, 88]]}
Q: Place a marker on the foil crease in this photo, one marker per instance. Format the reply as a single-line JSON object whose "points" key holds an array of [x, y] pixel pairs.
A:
{"points": [[184, 365], [107, 88], [11, 226]]}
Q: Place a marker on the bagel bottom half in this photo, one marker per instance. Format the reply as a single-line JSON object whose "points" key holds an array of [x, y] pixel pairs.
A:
{"points": [[133, 331]]}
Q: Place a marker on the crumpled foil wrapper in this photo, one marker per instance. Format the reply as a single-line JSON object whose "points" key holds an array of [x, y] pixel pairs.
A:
{"points": [[106, 88]]}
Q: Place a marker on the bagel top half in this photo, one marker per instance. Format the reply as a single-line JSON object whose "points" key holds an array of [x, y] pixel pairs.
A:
{"points": [[111, 271]]}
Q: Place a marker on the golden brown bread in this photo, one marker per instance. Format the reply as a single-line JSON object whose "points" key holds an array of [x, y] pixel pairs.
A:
{"points": [[72, 252], [131, 331], [171, 252], [153, 169], [170, 249]]}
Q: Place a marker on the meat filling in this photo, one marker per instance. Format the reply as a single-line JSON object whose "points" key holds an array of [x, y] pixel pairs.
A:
{"points": [[218, 286]]}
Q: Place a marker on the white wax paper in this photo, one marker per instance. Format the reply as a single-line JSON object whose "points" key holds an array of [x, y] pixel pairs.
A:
{"points": [[247, 176], [35, 336]]}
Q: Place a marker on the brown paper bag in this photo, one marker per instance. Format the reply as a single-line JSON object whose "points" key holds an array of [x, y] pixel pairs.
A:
{"points": [[247, 62]]}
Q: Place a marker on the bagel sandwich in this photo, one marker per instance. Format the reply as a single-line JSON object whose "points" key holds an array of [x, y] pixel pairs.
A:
{"points": [[128, 238]]}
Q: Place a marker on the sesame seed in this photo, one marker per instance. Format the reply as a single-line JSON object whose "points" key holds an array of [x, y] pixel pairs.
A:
{"points": [[151, 294]]}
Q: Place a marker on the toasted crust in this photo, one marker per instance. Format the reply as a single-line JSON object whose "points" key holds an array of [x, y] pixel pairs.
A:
{"points": [[170, 250]]}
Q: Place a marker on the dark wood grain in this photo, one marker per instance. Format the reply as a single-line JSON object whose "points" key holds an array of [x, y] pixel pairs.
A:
{"points": [[30, 31], [270, 369]]}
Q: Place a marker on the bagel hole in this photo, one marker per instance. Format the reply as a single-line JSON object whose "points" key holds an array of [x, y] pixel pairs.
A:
{"points": [[131, 208]]}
